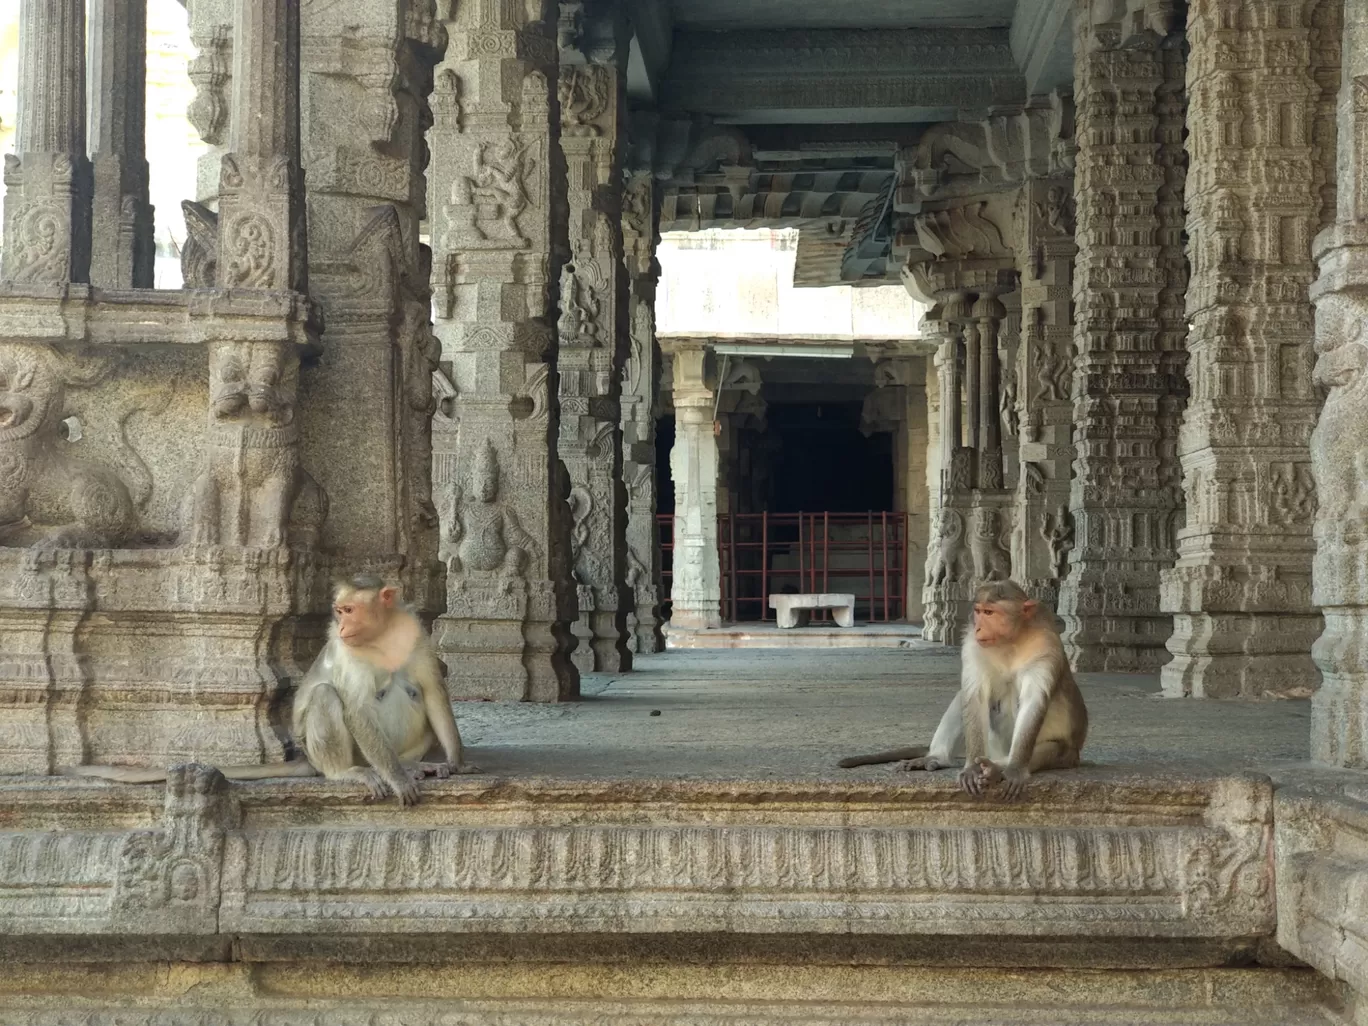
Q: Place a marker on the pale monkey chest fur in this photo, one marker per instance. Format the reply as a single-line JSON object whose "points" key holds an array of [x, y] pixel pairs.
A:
{"points": [[394, 694], [1001, 690]]}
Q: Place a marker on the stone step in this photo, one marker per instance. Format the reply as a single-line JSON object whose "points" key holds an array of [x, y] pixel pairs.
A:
{"points": [[1093, 854], [647, 992]]}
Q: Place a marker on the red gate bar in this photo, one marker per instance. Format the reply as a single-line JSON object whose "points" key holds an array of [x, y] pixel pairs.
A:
{"points": [[764, 552]]}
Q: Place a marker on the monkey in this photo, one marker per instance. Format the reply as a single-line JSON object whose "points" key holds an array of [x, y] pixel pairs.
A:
{"points": [[1018, 711], [376, 690]]}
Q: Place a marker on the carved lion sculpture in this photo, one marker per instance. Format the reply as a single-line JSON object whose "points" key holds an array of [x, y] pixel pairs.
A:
{"points": [[1338, 444], [954, 561], [992, 561], [49, 498]]}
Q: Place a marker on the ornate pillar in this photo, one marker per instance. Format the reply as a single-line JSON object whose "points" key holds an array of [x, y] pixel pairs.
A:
{"points": [[47, 178], [1339, 444], [122, 247], [640, 384], [371, 277], [1241, 591], [696, 581], [593, 333], [1128, 389], [988, 314], [1043, 377], [495, 217]]}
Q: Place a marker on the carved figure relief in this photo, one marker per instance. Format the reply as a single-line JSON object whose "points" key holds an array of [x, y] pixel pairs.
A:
{"points": [[253, 490], [584, 94], [1294, 494], [1339, 445], [48, 497], [1057, 530], [199, 255], [991, 558], [580, 309], [954, 561], [1052, 374], [498, 190], [38, 231], [484, 535]]}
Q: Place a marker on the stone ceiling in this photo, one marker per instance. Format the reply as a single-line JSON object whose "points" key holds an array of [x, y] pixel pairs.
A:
{"points": [[833, 87]]}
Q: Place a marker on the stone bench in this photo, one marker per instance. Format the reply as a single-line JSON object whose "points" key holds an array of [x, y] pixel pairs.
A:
{"points": [[794, 610]]}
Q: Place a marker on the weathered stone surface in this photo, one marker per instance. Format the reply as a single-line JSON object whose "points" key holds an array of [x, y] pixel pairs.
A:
{"points": [[1339, 728], [1129, 388], [1128, 857], [1241, 589], [654, 991]]}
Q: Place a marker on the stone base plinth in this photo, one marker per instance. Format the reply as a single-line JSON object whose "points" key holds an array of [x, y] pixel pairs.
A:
{"points": [[1091, 856], [152, 656]]}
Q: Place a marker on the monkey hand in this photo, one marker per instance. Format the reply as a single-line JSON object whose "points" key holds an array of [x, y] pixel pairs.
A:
{"points": [[971, 779], [1012, 778]]}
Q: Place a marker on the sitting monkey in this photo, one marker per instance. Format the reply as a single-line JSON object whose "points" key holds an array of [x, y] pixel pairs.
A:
{"points": [[376, 689], [1018, 710]]}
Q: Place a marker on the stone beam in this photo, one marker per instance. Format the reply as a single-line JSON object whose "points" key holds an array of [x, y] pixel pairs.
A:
{"points": [[789, 76], [1042, 43]]}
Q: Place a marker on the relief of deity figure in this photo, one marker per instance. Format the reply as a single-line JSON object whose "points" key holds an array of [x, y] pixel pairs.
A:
{"points": [[484, 535]]}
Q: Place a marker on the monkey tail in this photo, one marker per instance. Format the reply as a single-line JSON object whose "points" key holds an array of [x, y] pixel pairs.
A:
{"points": [[147, 775], [118, 774], [896, 755]]}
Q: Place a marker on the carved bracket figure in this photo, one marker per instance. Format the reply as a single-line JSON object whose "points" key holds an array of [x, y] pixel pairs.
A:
{"points": [[954, 561], [253, 490], [991, 558]]}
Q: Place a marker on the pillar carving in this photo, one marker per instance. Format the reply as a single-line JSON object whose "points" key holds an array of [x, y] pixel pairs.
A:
{"points": [[594, 335], [371, 277], [1241, 590], [122, 246], [640, 384], [496, 214], [1129, 388], [1339, 444], [696, 578], [1041, 386], [47, 178]]}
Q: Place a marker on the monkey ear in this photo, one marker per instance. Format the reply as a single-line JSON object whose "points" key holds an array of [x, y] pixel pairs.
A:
{"points": [[388, 595], [1029, 607]]}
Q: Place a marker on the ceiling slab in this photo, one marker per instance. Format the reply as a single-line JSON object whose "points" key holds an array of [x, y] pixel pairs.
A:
{"points": [[867, 14], [842, 75]]}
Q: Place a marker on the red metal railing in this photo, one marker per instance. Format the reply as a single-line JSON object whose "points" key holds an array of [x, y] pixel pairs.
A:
{"points": [[770, 553]]}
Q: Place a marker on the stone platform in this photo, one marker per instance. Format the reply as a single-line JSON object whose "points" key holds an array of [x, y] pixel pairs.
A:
{"points": [[708, 864], [821, 635]]}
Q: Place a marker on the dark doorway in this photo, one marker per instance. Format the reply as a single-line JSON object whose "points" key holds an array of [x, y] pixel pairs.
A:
{"points": [[823, 462]]}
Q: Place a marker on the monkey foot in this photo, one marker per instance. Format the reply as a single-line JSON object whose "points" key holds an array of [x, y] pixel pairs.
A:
{"points": [[466, 768], [922, 762], [423, 770]]}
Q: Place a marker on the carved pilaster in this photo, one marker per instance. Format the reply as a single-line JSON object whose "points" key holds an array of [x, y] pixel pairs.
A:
{"points": [[696, 579], [1128, 388], [122, 250], [1339, 444], [47, 178], [1043, 372], [495, 215], [593, 337], [640, 384], [1241, 590]]}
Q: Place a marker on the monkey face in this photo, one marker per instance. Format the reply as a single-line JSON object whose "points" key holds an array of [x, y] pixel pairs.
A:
{"points": [[363, 616], [1000, 623]]}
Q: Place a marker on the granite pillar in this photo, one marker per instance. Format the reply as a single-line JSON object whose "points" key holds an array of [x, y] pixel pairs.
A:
{"points": [[696, 581]]}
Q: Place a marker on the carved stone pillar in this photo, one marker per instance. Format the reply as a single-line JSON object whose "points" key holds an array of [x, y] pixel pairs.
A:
{"points": [[371, 277], [593, 336], [122, 247], [1128, 387], [1241, 591], [696, 578], [495, 216], [640, 384], [1339, 444], [1044, 373], [988, 314], [47, 178]]}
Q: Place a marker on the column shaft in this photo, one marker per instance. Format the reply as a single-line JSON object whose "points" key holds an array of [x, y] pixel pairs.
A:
{"points": [[47, 178], [1241, 590], [696, 577], [122, 250]]}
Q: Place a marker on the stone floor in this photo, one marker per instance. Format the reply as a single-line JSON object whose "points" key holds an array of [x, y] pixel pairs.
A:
{"points": [[792, 714]]}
